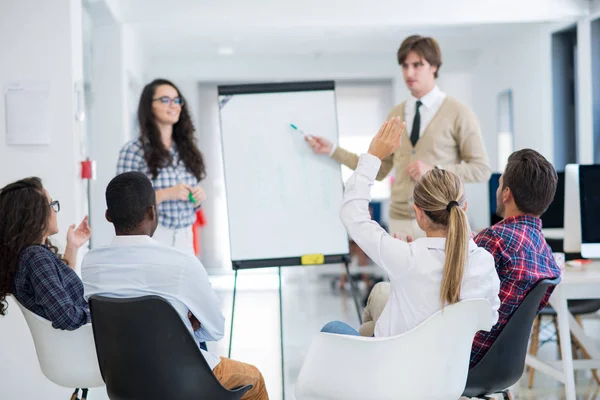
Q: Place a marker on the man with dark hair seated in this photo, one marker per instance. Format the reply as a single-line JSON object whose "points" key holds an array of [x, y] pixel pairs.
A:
{"points": [[135, 265], [521, 254]]}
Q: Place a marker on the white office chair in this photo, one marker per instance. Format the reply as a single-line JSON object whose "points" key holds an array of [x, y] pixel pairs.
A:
{"points": [[67, 358], [429, 362]]}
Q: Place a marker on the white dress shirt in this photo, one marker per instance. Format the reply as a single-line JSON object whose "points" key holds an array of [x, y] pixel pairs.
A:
{"points": [[134, 266], [415, 269], [432, 102]]}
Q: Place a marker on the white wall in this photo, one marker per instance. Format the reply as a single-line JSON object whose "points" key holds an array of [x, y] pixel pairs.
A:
{"points": [[43, 45], [50, 52], [214, 237], [595, 15], [108, 116], [524, 67], [595, 8], [460, 84], [283, 68], [596, 86], [361, 108], [134, 66], [117, 78]]}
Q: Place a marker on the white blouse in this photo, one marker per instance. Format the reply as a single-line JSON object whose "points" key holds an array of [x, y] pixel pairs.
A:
{"points": [[415, 269]]}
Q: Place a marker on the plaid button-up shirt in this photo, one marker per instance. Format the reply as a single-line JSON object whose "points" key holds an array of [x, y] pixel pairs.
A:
{"points": [[173, 214], [522, 259], [48, 287]]}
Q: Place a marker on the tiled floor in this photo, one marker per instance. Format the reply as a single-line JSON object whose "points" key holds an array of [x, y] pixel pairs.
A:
{"points": [[308, 303]]}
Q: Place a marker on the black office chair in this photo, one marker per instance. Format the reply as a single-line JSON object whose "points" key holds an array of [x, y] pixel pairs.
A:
{"points": [[576, 307], [145, 352], [503, 365]]}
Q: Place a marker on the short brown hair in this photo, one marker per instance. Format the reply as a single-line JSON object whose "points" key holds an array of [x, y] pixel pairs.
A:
{"points": [[532, 181], [425, 47]]}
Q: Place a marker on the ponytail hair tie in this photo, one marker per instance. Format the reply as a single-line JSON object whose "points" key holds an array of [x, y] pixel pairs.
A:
{"points": [[451, 204]]}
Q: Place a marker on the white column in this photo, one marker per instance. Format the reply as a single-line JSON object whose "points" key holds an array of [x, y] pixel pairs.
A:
{"points": [[108, 130], [585, 117], [116, 82]]}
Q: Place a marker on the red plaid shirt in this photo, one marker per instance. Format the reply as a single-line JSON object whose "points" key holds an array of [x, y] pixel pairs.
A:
{"points": [[522, 258]]}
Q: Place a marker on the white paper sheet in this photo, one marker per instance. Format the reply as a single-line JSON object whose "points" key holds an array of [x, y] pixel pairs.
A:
{"points": [[27, 113]]}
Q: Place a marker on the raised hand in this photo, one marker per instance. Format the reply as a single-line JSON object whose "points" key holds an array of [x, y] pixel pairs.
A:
{"points": [[387, 139], [76, 237]]}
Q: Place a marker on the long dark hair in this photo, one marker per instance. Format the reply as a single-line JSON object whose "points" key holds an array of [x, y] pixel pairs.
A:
{"points": [[155, 154], [24, 212]]}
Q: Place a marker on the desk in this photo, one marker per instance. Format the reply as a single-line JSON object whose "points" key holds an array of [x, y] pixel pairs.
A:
{"points": [[577, 283]]}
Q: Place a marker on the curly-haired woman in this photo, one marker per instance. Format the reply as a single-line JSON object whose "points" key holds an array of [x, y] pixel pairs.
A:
{"points": [[166, 151], [30, 267]]}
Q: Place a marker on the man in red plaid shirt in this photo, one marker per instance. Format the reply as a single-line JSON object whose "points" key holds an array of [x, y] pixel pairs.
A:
{"points": [[522, 256]]}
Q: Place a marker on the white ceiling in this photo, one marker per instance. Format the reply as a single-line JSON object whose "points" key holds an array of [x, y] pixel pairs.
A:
{"points": [[181, 29], [317, 41], [367, 13]]}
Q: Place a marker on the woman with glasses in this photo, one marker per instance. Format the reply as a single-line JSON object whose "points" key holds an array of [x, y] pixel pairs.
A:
{"points": [[30, 267], [166, 151]]}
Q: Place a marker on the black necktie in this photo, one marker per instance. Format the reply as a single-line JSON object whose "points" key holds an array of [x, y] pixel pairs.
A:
{"points": [[416, 128]]}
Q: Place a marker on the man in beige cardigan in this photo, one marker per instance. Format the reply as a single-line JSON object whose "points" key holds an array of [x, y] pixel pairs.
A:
{"points": [[440, 132]]}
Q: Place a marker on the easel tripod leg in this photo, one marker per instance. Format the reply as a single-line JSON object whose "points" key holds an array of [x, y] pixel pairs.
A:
{"points": [[232, 313], [354, 292], [281, 336]]}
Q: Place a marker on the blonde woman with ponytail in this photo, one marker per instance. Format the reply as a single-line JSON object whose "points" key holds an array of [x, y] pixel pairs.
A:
{"points": [[426, 274]]}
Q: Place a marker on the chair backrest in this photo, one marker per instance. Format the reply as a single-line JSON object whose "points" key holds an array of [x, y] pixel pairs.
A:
{"points": [[146, 352], [67, 358], [430, 362], [504, 363]]}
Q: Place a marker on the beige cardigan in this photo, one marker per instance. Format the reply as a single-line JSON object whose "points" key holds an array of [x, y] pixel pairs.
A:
{"points": [[451, 140]]}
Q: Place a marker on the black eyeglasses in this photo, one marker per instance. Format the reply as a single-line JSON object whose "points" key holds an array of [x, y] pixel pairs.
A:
{"points": [[167, 100], [55, 205]]}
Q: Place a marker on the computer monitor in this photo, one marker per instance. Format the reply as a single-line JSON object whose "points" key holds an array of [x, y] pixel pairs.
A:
{"points": [[554, 215], [492, 187], [589, 200], [572, 221]]}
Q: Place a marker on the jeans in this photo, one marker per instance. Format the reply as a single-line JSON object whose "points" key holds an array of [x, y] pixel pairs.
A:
{"points": [[341, 328]]}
